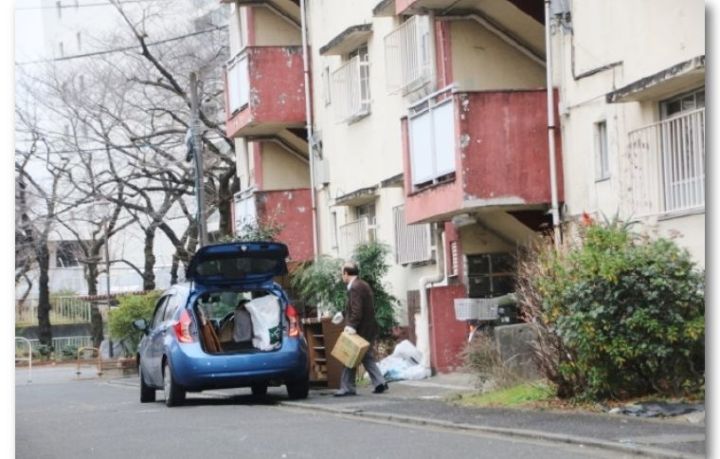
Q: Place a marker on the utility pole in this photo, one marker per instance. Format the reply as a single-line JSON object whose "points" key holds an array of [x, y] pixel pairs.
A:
{"points": [[196, 147]]}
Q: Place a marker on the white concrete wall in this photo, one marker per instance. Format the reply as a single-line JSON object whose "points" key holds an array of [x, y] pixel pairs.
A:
{"points": [[645, 37]]}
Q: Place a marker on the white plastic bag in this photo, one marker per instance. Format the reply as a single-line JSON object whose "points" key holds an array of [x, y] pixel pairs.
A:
{"points": [[265, 315], [405, 350]]}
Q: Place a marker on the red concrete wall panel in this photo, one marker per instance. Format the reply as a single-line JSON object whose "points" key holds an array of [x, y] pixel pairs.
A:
{"points": [[292, 211], [277, 85], [506, 153], [448, 335], [433, 202], [443, 53]]}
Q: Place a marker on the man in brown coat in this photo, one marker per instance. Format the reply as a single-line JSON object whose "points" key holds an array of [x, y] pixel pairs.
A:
{"points": [[360, 319]]}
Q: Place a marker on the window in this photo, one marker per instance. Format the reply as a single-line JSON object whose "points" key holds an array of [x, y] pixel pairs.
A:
{"points": [[490, 275], [351, 86], [682, 140], [326, 85], [601, 151], [334, 230], [238, 81], [159, 315], [172, 306]]}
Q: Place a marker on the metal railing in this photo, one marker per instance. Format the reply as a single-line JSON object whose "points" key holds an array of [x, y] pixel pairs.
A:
{"points": [[355, 233], [29, 354], [65, 342], [238, 82], [408, 56], [351, 89], [64, 310], [664, 168], [412, 242]]}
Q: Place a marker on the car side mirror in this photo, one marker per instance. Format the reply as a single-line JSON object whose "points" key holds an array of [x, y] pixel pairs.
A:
{"points": [[141, 325]]}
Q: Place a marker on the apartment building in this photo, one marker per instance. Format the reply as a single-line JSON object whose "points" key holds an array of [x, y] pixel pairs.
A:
{"points": [[428, 131], [632, 104]]}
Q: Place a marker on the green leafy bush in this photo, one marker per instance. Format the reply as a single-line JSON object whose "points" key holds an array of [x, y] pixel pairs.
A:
{"points": [[130, 309], [320, 283], [620, 315], [371, 258]]}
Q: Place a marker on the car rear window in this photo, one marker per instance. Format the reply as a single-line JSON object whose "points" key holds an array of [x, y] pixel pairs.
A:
{"points": [[237, 267]]}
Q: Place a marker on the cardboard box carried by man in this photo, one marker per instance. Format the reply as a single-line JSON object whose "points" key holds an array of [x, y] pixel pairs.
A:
{"points": [[350, 349]]}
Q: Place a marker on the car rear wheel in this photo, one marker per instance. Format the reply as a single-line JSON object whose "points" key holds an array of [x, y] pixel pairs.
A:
{"points": [[174, 394], [259, 389], [147, 393], [298, 389]]}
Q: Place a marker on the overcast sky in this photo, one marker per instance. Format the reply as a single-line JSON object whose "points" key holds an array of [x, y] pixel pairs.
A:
{"points": [[29, 36]]}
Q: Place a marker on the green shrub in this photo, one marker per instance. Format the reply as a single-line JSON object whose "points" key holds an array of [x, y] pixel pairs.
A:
{"points": [[371, 259], [621, 315], [320, 283], [130, 309]]}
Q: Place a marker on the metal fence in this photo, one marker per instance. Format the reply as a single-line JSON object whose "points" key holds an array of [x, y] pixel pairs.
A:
{"points": [[665, 165], [64, 310], [59, 344]]}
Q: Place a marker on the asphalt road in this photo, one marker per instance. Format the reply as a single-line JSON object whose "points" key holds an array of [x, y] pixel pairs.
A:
{"points": [[60, 416]]}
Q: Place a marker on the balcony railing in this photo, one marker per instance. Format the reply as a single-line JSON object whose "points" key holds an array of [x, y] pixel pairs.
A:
{"points": [[351, 89], [432, 139], [238, 83], [355, 233], [408, 55], [665, 166], [412, 242]]}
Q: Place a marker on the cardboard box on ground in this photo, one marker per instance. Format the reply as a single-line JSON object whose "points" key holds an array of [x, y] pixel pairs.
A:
{"points": [[350, 349]]}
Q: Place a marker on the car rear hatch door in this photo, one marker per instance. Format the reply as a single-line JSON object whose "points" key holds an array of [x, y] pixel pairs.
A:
{"points": [[238, 263]]}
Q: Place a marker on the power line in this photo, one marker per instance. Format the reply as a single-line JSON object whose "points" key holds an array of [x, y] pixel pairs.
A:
{"points": [[127, 48]]}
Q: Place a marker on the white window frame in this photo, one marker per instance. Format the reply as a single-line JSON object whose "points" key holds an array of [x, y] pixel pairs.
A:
{"points": [[602, 155]]}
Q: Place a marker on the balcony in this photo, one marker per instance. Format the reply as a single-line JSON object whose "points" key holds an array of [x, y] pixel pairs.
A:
{"points": [[408, 55], [265, 91], [500, 9], [288, 211], [471, 151], [664, 168]]}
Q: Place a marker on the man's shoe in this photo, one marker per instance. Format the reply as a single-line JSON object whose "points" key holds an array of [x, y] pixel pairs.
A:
{"points": [[342, 393], [381, 388]]}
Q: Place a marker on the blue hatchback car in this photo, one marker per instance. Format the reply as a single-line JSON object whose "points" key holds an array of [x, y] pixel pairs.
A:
{"points": [[229, 325]]}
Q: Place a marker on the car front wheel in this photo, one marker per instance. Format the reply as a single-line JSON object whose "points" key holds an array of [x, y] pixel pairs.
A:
{"points": [[147, 393], [174, 394]]}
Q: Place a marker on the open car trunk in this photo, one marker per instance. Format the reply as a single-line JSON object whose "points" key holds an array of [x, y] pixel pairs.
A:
{"points": [[233, 321]]}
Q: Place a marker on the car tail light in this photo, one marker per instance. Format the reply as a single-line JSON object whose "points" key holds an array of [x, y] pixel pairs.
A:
{"points": [[293, 320], [182, 328]]}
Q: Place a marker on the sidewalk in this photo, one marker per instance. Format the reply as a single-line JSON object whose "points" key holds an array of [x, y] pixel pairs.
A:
{"points": [[423, 403]]}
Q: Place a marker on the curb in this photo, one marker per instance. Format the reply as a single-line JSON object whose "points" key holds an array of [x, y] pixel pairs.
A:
{"points": [[517, 433]]}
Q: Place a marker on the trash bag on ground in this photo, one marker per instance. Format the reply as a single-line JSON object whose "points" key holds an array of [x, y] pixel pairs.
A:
{"points": [[404, 363]]}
